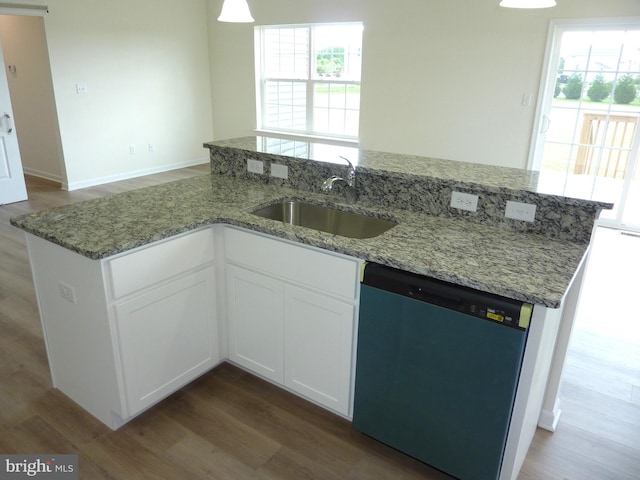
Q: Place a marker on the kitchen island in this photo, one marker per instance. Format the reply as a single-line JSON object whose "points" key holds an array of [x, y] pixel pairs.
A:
{"points": [[105, 268]]}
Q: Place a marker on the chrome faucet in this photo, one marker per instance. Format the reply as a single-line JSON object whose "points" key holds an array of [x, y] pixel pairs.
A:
{"points": [[350, 192]]}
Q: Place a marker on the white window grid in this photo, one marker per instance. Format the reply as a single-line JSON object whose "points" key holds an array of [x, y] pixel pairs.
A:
{"points": [[293, 97]]}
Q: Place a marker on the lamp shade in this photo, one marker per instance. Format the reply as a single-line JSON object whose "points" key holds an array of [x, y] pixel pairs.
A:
{"points": [[236, 11], [528, 3]]}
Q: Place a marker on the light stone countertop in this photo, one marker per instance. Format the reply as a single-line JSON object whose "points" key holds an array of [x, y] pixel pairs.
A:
{"points": [[491, 178], [524, 266]]}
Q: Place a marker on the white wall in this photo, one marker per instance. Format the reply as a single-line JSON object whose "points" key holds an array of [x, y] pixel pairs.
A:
{"points": [[146, 67], [24, 44], [441, 78]]}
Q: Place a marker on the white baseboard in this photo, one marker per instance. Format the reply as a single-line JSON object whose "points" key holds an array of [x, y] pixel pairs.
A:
{"points": [[133, 174], [40, 174], [549, 418]]}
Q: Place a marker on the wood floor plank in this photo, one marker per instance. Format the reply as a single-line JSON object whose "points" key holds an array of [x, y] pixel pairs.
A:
{"points": [[66, 417], [287, 464], [19, 390], [36, 436], [573, 453], [233, 436], [276, 422], [202, 455], [125, 458]]}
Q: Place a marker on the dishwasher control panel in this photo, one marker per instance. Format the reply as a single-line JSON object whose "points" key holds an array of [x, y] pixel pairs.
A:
{"points": [[488, 306]]}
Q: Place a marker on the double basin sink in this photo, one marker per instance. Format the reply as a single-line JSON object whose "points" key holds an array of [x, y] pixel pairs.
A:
{"points": [[325, 219]]}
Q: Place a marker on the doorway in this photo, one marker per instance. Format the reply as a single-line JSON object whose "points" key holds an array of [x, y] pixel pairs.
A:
{"points": [[587, 138], [28, 73]]}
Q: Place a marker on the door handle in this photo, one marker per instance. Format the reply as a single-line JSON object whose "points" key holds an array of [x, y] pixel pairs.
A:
{"points": [[7, 117], [546, 123]]}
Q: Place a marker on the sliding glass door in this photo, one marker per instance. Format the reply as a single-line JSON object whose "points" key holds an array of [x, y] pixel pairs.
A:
{"points": [[587, 135]]}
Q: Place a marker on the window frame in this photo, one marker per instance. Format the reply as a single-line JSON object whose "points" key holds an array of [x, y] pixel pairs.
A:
{"points": [[311, 81]]}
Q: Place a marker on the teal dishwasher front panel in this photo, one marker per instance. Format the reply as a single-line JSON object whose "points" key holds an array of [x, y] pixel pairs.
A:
{"points": [[436, 384]]}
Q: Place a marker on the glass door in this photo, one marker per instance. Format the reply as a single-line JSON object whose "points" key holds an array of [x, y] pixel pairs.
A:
{"points": [[588, 137]]}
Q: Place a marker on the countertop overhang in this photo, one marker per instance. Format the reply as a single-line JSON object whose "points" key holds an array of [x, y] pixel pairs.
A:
{"points": [[523, 266]]}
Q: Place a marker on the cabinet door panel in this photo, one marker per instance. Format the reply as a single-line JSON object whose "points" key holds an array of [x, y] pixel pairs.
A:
{"points": [[255, 316], [318, 347], [167, 338]]}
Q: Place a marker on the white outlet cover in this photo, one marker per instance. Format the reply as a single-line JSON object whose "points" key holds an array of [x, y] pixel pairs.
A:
{"points": [[67, 292], [279, 171], [255, 166], [464, 201], [520, 211]]}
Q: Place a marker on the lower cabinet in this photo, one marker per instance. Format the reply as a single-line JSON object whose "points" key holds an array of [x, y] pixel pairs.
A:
{"points": [[255, 319], [165, 337], [283, 328], [318, 339], [125, 332]]}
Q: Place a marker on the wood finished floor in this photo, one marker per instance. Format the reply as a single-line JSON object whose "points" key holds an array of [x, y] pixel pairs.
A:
{"points": [[231, 425]]}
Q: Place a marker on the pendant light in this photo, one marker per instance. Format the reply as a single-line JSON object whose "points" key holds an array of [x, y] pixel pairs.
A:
{"points": [[235, 11], [528, 3]]}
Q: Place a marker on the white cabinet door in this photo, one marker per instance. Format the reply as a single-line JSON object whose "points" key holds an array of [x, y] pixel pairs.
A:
{"points": [[255, 322], [167, 337], [318, 347]]}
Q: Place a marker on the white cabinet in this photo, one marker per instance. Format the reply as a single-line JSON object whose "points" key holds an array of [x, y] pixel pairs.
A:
{"points": [[124, 332], [165, 324], [254, 321], [291, 314], [166, 338], [318, 350]]}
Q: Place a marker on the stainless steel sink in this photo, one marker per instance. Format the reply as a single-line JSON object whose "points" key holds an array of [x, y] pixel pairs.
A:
{"points": [[325, 219]]}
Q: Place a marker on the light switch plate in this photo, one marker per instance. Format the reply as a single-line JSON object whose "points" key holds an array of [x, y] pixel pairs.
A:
{"points": [[520, 211], [255, 166]]}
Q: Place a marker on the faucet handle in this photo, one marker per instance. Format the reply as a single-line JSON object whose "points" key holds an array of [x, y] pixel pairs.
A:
{"points": [[327, 185]]}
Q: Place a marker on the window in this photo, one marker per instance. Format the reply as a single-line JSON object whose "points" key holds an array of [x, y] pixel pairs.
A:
{"points": [[308, 79]]}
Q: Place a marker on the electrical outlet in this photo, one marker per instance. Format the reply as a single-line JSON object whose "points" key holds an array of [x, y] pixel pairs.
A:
{"points": [[255, 166], [464, 201], [520, 211], [279, 171], [132, 149], [67, 292], [151, 148]]}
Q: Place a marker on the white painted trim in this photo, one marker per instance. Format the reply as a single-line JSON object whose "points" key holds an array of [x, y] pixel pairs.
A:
{"points": [[304, 137], [133, 174], [549, 418], [550, 413], [23, 7], [531, 389], [533, 162], [44, 175]]}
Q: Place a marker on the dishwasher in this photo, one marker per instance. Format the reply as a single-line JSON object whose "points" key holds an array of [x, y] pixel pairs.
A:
{"points": [[437, 370]]}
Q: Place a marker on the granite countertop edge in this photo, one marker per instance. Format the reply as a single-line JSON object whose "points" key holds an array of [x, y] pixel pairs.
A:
{"points": [[378, 163], [536, 270]]}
